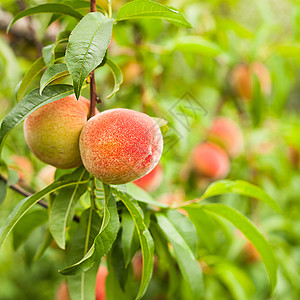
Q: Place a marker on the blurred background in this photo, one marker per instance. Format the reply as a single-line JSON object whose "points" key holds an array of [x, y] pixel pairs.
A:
{"points": [[229, 89]]}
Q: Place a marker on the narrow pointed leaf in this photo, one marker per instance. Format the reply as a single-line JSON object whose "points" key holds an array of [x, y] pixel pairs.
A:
{"points": [[117, 74], [242, 188], [251, 233], [3, 187], [188, 263], [57, 8], [150, 9], [23, 206], [82, 286], [52, 73], [31, 102], [103, 241], [146, 240], [130, 242], [87, 45], [36, 68], [63, 208], [48, 55]]}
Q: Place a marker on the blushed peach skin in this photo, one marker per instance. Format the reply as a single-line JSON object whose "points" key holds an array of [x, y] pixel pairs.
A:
{"points": [[241, 79], [52, 131], [100, 283], [152, 180], [120, 145], [24, 168], [211, 161], [227, 134], [62, 292]]}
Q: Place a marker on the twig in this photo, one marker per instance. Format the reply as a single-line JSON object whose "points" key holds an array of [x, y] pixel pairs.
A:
{"points": [[21, 191], [93, 92]]}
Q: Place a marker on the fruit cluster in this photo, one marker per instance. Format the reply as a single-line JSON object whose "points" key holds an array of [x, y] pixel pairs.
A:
{"points": [[116, 146]]}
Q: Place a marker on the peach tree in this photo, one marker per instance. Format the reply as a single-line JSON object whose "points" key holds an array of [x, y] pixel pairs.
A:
{"points": [[94, 211]]}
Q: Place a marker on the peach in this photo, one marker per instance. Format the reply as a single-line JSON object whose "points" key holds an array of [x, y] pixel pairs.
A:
{"points": [[152, 180], [52, 131], [100, 283], [62, 292], [120, 145], [211, 161], [46, 175], [228, 135], [241, 79]]}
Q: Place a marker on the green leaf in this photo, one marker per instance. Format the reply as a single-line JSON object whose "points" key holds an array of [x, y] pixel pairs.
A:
{"points": [[242, 188], [87, 46], [32, 72], [251, 233], [63, 208], [145, 238], [130, 241], [103, 241], [197, 44], [27, 225], [46, 243], [162, 125], [48, 54], [23, 206], [185, 228], [188, 263], [82, 286], [204, 226], [237, 280], [149, 9], [31, 102], [166, 260], [52, 73], [140, 195], [118, 76], [57, 8], [3, 187]]}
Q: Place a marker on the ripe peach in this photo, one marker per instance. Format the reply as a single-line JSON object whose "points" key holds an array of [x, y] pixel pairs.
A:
{"points": [[62, 292], [52, 131], [211, 161], [228, 135], [120, 145], [241, 79], [100, 283], [152, 180], [46, 175], [249, 252]]}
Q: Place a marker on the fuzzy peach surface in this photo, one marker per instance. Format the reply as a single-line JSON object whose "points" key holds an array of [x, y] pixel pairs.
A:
{"points": [[226, 133], [52, 131], [152, 180], [120, 145], [100, 283], [211, 160]]}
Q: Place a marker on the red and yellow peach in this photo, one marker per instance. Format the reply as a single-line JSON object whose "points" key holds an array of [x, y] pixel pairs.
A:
{"points": [[120, 145], [228, 135], [152, 180], [52, 131], [210, 161]]}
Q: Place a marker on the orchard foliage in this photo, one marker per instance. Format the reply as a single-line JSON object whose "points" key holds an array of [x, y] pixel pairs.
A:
{"points": [[208, 224]]}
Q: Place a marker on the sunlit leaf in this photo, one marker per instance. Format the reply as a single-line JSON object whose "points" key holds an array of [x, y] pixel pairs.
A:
{"points": [[87, 46], [150, 9]]}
